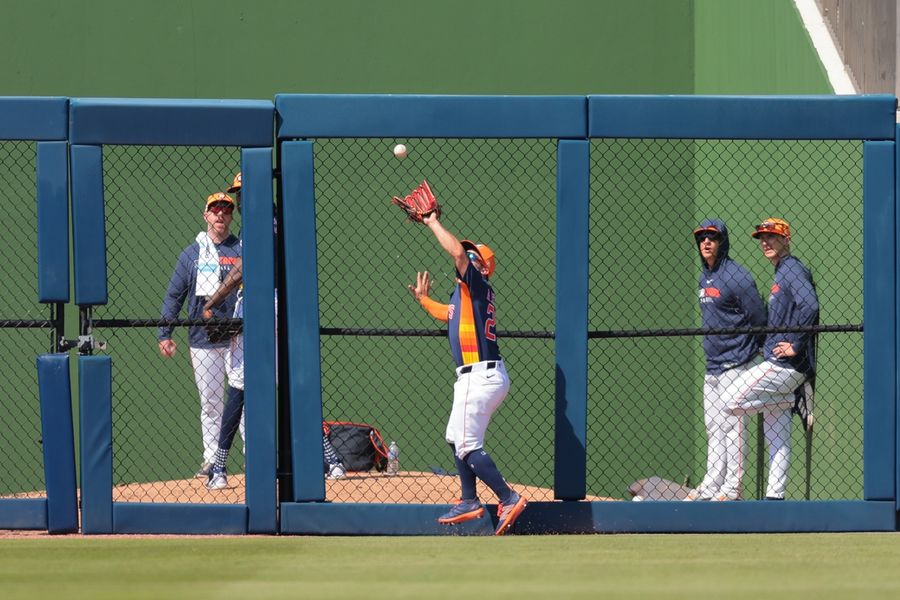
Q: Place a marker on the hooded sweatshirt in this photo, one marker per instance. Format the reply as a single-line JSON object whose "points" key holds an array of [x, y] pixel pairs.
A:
{"points": [[728, 299]]}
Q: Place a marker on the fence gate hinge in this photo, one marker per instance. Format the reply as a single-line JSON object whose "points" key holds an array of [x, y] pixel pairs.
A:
{"points": [[85, 344]]}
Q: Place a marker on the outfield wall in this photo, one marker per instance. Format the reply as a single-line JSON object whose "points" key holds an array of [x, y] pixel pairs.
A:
{"points": [[522, 47], [601, 399]]}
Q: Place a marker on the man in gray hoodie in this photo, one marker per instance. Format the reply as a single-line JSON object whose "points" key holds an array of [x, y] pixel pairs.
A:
{"points": [[728, 300]]}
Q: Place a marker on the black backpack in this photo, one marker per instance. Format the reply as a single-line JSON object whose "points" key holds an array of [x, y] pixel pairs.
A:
{"points": [[359, 445]]}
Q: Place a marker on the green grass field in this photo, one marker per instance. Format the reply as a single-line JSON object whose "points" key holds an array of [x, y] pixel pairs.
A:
{"points": [[595, 566]]}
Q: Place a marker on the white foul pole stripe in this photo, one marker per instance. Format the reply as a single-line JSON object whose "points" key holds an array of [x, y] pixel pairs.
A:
{"points": [[838, 76]]}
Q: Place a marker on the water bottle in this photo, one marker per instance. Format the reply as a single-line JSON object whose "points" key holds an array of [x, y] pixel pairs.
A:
{"points": [[393, 465]]}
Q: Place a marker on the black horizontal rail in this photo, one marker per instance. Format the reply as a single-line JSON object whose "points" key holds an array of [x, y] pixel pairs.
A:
{"points": [[622, 333], [26, 323], [521, 334], [362, 331], [627, 333], [97, 323]]}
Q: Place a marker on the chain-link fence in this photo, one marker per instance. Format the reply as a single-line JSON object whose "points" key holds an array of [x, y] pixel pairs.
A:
{"points": [[26, 330], [166, 410], [398, 376], [646, 357], [385, 362]]}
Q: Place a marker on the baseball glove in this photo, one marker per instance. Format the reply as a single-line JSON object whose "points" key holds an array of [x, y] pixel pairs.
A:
{"points": [[218, 330], [419, 203]]}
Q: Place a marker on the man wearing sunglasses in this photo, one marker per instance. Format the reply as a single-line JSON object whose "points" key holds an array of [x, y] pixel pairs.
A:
{"points": [[728, 300], [198, 272], [789, 358], [234, 406], [482, 382]]}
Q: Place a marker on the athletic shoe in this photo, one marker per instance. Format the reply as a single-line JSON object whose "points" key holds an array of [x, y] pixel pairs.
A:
{"points": [[462, 511], [694, 495], [336, 471], [774, 498], [218, 480], [204, 471], [724, 498], [508, 513]]}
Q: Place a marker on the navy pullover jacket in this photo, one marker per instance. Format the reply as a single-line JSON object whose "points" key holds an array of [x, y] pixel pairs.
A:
{"points": [[728, 299], [793, 302], [183, 285]]}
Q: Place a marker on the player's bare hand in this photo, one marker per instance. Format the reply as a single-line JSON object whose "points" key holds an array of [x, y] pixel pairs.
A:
{"points": [[422, 287], [430, 218], [167, 348], [783, 350], [207, 313]]}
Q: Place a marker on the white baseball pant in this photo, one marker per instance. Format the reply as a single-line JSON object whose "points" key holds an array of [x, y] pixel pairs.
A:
{"points": [[768, 388], [479, 390], [209, 374], [726, 438], [235, 370]]}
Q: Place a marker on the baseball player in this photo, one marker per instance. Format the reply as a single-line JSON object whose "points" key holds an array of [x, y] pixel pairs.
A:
{"points": [[198, 272], [482, 382], [769, 387], [728, 299], [234, 407]]}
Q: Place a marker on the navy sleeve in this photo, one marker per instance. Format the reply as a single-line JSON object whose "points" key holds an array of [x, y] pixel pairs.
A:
{"points": [[806, 302], [179, 287], [750, 300]]}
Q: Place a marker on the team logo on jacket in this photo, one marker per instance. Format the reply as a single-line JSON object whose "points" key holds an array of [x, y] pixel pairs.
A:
{"points": [[708, 294]]}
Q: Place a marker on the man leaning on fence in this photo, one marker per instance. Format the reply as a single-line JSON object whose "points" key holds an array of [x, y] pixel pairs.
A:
{"points": [[728, 300], [198, 272], [769, 388]]}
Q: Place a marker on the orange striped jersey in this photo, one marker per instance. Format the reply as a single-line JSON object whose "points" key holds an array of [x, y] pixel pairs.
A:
{"points": [[472, 323]]}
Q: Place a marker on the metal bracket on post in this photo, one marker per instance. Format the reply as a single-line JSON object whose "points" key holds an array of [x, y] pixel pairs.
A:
{"points": [[85, 342]]}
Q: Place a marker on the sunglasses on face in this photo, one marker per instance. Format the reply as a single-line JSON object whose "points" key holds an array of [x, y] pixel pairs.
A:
{"points": [[473, 256], [221, 208], [709, 235]]}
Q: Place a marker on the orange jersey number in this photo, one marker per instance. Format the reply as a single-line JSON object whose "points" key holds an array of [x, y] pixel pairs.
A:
{"points": [[489, 324]]}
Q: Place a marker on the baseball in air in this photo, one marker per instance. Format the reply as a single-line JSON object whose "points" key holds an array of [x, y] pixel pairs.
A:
{"points": [[400, 151]]}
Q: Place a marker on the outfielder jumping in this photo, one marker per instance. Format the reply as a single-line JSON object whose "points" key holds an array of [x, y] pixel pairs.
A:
{"points": [[482, 382]]}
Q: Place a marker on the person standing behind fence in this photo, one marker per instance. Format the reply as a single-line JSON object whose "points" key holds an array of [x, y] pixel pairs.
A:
{"points": [[481, 384], [199, 270], [769, 387], [728, 299], [234, 406]]}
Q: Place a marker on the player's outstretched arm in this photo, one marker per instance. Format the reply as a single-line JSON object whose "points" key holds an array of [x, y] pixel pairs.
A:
{"points": [[448, 242], [232, 280], [421, 292]]}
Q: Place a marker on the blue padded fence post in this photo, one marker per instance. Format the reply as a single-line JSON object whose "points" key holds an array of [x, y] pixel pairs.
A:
{"points": [[879, 311], [88, 225], [302, 310], [55, 392], [259, 338], [53, 221], [573, 198], [95, 418]]}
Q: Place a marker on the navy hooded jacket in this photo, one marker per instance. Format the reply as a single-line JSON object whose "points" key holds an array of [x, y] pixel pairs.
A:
{"points": [[728, 299]]}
